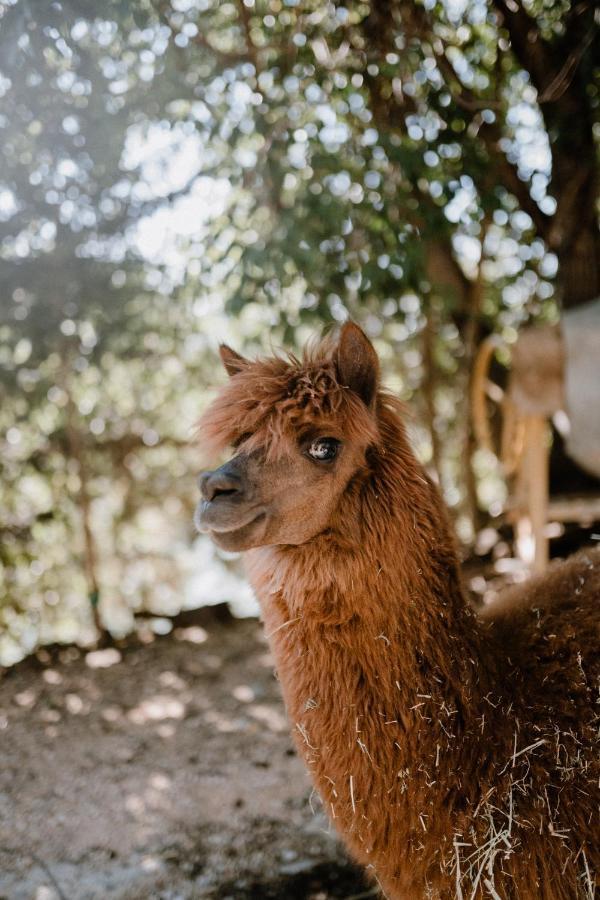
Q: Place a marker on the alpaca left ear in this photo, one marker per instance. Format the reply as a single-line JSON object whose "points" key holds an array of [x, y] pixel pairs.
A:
{"points": [[357, 363], [232, 361]]}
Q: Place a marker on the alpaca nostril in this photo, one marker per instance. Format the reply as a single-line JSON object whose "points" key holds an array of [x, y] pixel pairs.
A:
{"points": [[219, 484], [203, 484], [224, 492]]}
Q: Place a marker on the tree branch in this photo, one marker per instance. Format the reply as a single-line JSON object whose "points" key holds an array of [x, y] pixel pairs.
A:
{"points": [[532, 52], [225, 57], [490, 135], [251, 49], [564, 77], [418, 26]]}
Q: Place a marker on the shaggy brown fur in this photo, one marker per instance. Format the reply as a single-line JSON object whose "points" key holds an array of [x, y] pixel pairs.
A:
{"points": [[456, 754]]}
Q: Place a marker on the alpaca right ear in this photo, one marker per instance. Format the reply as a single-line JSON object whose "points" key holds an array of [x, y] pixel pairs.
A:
{"points": [[232, 361], [357, 363]]}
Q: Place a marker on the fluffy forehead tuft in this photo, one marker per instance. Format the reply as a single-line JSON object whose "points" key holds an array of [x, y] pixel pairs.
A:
{"points": [[271, 402]]}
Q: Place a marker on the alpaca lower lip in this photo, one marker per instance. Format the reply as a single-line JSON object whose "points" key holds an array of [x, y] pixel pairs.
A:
{"points": [[218, 519], [238, 525], [238, 529]]}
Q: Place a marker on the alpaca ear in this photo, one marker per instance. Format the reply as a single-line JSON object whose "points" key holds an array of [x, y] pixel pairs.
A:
{"points": [[232, 361], [357, 363]]}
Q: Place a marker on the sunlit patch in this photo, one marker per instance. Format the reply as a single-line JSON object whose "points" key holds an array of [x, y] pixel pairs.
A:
{"points": [[223, 723], [146, 635], [51, 676], [111, 714], [478, 584], [160, 625], [243, 693], [150, 864], [194, 634], [213, 661], [135, 805], [45, 892], [170, 679], [75, 705], [266, 660], [166, 730], [160, 782], [25, 698], [156, 708], [268, 716], [103, 659]]}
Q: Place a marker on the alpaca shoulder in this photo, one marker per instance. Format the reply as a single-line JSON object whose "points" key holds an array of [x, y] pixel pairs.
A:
{"points": [[567, 585], [546, 635]]}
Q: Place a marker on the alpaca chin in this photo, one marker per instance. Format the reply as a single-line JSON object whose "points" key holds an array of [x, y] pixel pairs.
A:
{"points": [[232, 530]]}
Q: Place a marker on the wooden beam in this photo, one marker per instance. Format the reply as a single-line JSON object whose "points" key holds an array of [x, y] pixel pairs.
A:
{"points": [[574, 509], [535, 486]]}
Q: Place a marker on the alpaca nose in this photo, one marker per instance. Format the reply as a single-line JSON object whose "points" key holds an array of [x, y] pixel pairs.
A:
{"points": [[223, 482]]}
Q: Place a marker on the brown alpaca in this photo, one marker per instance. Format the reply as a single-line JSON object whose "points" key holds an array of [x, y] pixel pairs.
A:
{"points": [[456, 754]]}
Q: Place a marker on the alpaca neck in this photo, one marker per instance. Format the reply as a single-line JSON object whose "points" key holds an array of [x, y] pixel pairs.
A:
{"points": [[398, 611], [372, 612], [377, 656]]}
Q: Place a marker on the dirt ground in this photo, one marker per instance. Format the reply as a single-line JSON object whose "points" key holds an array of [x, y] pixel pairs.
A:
{"points": [[160, 770]]}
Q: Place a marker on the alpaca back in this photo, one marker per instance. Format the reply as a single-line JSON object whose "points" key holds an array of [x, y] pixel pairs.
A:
{"points": [[545, 637]]}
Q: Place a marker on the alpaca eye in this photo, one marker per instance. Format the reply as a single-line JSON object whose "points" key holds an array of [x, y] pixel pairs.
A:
{"points": [[324, 449]]}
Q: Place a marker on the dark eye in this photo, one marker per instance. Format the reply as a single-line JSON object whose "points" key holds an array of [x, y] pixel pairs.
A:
{"points": [[324, 449]]}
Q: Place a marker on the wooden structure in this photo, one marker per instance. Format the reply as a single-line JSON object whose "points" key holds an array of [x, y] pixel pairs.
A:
{"points": [[535, 393]]}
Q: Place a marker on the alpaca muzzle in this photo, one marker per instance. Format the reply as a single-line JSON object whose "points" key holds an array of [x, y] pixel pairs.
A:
{"points": [[227, 504], [224, 483]]}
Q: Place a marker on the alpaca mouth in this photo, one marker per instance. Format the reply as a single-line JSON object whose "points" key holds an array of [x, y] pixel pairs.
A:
{"points": [[218, 518]]}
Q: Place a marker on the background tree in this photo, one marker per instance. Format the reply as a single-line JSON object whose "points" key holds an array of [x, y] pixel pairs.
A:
{"points": [[174, 173]]}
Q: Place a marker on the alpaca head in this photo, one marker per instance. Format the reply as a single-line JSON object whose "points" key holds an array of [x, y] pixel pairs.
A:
{"points": [[300, 431]]}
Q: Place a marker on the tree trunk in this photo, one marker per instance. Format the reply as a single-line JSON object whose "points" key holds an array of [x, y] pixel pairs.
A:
{"points": [[579, 266], [428, 388]]}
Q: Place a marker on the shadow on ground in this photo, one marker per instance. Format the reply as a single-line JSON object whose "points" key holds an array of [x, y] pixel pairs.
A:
{"points": [[324, 880]]}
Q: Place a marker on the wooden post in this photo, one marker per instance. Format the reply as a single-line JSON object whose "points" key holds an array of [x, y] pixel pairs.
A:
{"points": [[536, 472]]}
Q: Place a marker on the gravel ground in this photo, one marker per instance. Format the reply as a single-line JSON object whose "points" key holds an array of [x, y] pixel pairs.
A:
{"points": [[160, 770]]}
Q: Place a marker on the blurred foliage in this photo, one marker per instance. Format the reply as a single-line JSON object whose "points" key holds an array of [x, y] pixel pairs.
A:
{"points": [[177, 173]]}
